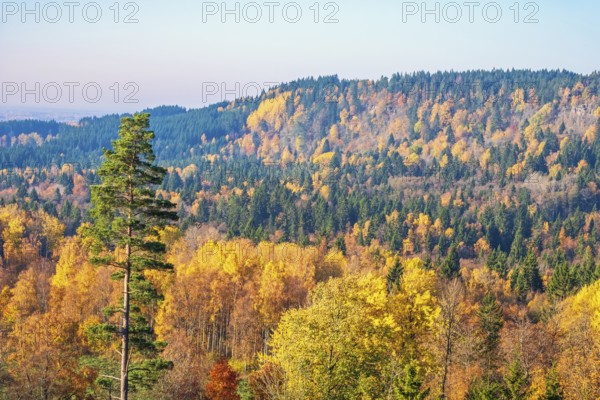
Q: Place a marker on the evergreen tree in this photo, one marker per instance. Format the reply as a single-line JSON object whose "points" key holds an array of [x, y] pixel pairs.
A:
{"points": [[490, 323], [531, 271], [516, 380], [517, 249], [497, 262], [562, 282], [485, 389], [394, 276], [34, 197], [450, 267], [586, 273], [526, 277], [519, 283], [127, 217], [57, 196]]}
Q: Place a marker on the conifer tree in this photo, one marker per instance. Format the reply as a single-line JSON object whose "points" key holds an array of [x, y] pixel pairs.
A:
{"points": [[517, 249], [562, 282], [586, 272], [394, 277], [516, 380], [451, 265], [497, 262], [491, 322], [127, 218]]}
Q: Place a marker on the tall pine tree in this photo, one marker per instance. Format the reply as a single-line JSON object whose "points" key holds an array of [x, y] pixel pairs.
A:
{"points": [[127, 220]]}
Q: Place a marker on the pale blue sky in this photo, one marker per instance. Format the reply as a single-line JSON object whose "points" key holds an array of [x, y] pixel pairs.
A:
{"points": [[176, 58]]}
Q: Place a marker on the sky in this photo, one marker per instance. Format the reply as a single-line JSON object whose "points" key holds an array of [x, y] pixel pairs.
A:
{"points": [[109, 56]]}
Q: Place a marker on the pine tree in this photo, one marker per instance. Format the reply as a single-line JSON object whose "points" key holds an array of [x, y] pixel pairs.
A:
{"points": [[490, 322], [497, 262], [517, 249], [586, 272], [531, 271], [394, 276], [450, 267], [127, 217], [516, 380], [562, 282]]}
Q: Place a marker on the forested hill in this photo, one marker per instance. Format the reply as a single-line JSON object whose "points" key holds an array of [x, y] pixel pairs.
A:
{"points": [[447, 224], [482, 161], [419, 114]]}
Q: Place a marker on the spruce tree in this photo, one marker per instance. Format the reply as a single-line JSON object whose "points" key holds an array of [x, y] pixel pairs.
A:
{"points": [[517, 249], [531, 271], [516, 380], [450, 267], [497, 262], [127, 218], [562, 282], [490, 323], [526, 277], [394, 277], [586, 272]]}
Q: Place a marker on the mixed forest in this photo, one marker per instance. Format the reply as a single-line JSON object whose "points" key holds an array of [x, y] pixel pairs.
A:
{"points": [[422, 236]]}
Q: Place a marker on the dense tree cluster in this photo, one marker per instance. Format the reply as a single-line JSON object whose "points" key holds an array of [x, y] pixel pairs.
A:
{"points": [[421, 236], [297, 322]]}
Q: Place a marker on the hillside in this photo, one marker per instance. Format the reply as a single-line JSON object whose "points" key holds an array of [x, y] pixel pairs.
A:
{"points": [[417, 237], [477, 108], [318, 158]]}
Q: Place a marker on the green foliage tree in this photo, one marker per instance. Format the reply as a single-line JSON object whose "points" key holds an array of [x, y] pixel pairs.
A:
{"points": [[517, 249], [485, 389], [334, 348], [562, 283], [586, 273], [244, 390], [516, 380], [497, 262], [409, 386], [490, 323], [450, 267], [394, 276], [127, 218], [526, 277]]}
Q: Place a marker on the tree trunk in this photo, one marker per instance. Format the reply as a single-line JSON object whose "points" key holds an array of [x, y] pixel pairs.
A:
{"points": [[447, 356], [450, 301], [125, 326]]}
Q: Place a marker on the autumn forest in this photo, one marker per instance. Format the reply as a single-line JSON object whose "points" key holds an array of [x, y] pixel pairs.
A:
{"points": [[421, 236]]}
